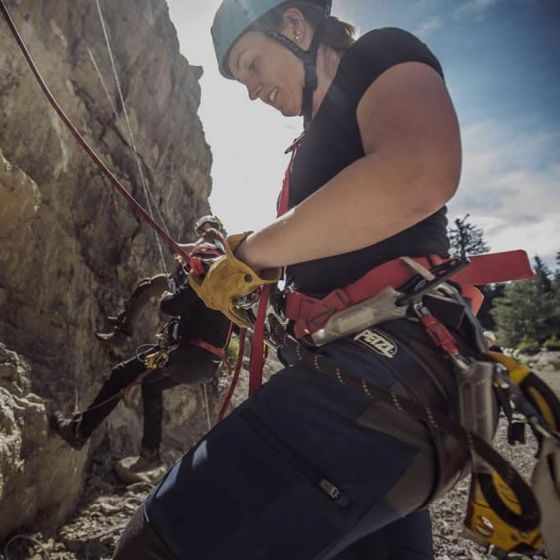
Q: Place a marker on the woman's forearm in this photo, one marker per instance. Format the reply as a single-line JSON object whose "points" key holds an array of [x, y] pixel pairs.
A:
{"points": [[369, 201]]}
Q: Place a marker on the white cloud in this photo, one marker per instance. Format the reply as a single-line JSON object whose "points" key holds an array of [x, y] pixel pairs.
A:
{"points": [[475, 7], [511, 187], [428, 26]]}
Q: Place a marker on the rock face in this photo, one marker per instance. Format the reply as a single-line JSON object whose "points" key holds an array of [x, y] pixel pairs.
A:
{"points": [[70, 248], [39, 481]]}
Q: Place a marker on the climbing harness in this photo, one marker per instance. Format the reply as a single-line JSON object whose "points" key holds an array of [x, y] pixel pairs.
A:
{"points": [[323, 318], [153, 361], [156, 356]]}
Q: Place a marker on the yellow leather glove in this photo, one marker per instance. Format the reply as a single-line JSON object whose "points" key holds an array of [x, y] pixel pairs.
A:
{"points": [[229, 278]]}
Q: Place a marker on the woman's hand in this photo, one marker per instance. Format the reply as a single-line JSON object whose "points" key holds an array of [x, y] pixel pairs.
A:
{"points": [[228, 279]]}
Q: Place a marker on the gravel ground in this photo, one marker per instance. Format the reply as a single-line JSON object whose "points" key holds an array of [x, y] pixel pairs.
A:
{"points": [[107, 504]]}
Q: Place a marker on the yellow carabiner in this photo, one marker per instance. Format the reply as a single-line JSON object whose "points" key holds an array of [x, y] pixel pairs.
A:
{"points": [[157, 359]]}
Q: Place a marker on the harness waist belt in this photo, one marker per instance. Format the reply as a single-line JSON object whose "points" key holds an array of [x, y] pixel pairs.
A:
{"points": [[310, 314]]}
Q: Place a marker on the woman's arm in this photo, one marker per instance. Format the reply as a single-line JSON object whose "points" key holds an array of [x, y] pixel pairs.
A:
{"points": [[411, 168]]}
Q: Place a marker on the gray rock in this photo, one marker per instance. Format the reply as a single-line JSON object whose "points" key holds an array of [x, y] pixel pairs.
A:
{"points": [[71, 249]]}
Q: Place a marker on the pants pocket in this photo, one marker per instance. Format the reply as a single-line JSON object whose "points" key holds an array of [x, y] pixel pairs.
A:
{"points": [[296, 460], [244, 494]]}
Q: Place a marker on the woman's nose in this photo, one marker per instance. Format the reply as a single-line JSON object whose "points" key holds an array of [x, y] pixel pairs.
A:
{"points": [[253, 91]]}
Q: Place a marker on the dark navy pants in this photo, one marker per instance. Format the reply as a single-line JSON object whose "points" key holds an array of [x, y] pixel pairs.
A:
{"points": [[297, 473]]}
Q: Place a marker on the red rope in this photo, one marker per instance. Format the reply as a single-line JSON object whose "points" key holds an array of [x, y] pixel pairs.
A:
{"points": [[136, 207], [235, 377], [257, 346]]}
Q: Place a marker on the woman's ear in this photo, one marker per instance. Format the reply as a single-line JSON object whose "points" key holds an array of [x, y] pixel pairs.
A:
{"points": [[293, 25]]}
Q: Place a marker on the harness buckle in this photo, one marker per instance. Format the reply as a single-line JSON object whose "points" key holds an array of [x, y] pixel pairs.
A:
{"points": [[430, 279], [381, 307]]}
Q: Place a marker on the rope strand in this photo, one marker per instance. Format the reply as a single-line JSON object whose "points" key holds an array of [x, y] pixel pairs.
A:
{"points": [[115, 112], [129, 128]]}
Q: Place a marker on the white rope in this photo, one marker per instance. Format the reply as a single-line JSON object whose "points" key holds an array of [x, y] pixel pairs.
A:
{"points": [[418, 268], [105, 89], [115, 112], [76, 388], [160, 217], [128, 126], [207, 405]]}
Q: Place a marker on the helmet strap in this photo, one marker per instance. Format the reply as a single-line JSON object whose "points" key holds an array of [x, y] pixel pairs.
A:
{"points": [[309, 60]]}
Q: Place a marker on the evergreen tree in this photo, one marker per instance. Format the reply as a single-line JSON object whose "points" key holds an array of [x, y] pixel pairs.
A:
{"points": [[466, 238], [485, 315], [529, 311], [556, 281], [543, 275], [555, 319], [521, 314]]}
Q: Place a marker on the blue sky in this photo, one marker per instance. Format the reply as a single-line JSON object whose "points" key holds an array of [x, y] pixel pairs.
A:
{"points": [[501, 59]]}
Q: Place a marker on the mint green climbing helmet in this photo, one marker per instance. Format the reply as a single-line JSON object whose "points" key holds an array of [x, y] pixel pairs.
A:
{"points": [[234, 17]]}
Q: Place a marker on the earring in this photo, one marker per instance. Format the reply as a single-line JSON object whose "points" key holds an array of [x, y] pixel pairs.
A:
{"points": [[297, 37]]}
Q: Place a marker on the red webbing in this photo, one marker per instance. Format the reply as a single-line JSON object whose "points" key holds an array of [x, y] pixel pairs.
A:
{"points": [[439, 334], [310, 314], [257, 346], [218, 352], [495, 267]]}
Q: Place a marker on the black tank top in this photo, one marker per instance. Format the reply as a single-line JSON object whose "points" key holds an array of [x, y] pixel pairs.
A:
{"points": [[333, 142]]}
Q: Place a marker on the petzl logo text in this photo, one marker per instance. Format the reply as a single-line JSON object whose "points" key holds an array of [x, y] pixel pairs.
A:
{"points": [[378, 342]]}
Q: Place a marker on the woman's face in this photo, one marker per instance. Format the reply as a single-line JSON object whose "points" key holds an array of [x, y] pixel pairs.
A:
{"points": [[269, 70]]}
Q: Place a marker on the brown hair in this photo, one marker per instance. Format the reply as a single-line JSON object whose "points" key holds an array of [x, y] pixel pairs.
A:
{"points": [[337, 35]]}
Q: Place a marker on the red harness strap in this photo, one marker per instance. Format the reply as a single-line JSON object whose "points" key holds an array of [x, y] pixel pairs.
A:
{"points": [[256, 364], [218, 352], [310, 314], [439, 334], [257, 346]]}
